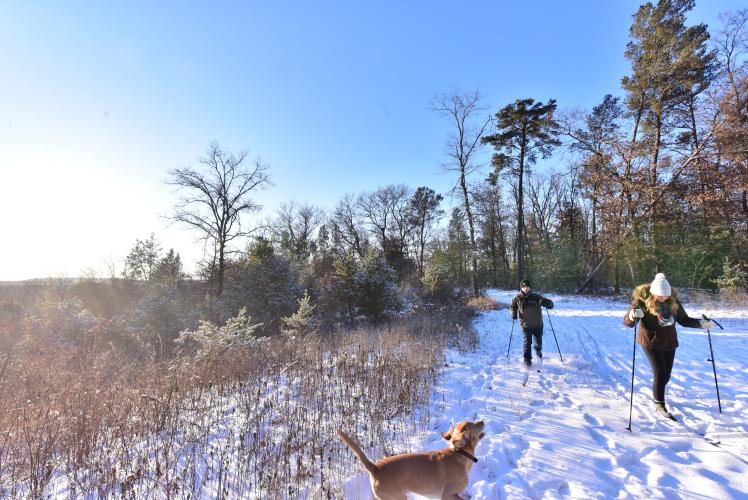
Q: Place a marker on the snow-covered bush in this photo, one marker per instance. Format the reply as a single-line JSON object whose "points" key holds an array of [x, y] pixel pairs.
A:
{"points": [[733, 278], [213, 340], [265, 284], [302, 321], [376, 286]]}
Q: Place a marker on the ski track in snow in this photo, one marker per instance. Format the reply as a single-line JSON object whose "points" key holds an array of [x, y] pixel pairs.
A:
{"points": [[564, 434]]}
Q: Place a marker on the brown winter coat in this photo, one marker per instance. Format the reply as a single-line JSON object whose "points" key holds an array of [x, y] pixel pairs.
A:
{"points": [[529, 308], [651, 334]]}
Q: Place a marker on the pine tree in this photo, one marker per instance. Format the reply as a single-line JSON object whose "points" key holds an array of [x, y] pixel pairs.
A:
{"points": [[376, 286], [168, 271], [458, 247], [733, 278], [302, 321], [525, 132], [438, 280], [671, 65], [424, 210]]}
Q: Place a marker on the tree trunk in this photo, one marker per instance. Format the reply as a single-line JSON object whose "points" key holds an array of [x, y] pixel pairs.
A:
{"points": [[594, 237], [473, 249], [653, 189], [420, 254], [699, 165], [494, 256], [221, 266], [521, 214], [617, 276], [625, 190]]}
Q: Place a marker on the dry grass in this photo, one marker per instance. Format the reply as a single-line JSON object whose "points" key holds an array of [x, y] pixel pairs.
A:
{"points": [[714, 300], [483, 303], [84, 419]]}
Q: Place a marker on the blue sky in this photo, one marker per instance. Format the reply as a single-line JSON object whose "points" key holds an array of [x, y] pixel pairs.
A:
{"points": [[99, 100]]}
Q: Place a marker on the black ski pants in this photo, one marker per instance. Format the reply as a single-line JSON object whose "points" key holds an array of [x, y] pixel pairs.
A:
{"points": [[662, 364], [537, 333]]}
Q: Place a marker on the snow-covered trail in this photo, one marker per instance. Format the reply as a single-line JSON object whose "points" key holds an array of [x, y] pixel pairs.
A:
{"points": [[563, 435]]}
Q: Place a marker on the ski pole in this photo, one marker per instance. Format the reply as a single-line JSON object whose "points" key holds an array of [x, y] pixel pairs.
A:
{"points": [[510, 339], [714, 320], [714, 368], [633, 366], [554, 334]]}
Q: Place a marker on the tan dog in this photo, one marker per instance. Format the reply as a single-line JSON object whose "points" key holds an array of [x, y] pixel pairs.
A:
{"points": [[440, 474]]}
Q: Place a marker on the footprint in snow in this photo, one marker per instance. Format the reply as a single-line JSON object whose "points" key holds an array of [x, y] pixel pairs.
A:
{"points": [[592, 420]]}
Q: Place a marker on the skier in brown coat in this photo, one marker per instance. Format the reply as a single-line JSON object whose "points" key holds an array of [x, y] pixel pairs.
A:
{"points": [[528, 305], [657, 307]]}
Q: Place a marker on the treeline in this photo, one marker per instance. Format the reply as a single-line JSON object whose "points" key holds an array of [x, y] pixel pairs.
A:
{"points": [[662, 170], [655, 179]]}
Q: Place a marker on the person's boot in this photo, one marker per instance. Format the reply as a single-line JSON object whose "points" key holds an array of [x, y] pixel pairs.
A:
{"points": [[528, 362], [662, 410]]}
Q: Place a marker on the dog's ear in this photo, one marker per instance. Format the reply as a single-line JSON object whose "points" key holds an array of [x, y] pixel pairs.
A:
{"points": [[464, 439], [447, 435]]}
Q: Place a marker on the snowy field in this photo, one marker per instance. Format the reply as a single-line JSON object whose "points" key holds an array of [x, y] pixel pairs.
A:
{"points": [[563, 435]]}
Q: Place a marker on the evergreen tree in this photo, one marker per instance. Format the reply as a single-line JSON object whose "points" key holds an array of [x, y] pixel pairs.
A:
{"points": [[142, 259], [263, 282], [302, 321], [458, 247], [733, 278], [671, 64], [438, 280], [169, 270], [344, 283], [525, 131], [376, 286], [425, 211]]}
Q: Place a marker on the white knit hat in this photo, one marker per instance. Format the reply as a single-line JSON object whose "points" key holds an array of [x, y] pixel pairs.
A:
{"points": [[660, 286]]}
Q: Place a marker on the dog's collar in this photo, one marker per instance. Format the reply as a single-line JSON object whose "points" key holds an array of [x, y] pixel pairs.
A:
{"points": [[468, 455]]}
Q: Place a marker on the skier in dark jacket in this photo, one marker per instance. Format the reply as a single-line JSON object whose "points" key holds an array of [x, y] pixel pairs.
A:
{"points": [[657, 306], [528, 305]]}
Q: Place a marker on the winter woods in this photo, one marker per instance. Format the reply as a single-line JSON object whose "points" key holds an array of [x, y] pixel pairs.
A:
{"points": [[328, 305]]}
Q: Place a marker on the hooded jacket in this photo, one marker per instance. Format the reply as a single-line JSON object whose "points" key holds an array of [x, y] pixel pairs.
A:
{"points": [[530, 309], [657, 330]]}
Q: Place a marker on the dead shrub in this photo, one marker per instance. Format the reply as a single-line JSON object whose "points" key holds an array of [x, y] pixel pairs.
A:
{"points": [[83, 417], [483, 303]]}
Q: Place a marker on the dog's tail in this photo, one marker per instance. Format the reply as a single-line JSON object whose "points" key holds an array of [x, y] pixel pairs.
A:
{"points": [[360, 454]]}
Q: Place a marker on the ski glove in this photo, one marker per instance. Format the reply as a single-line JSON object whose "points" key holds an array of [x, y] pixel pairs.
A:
{"points": [[707, 324], [636, 314]]}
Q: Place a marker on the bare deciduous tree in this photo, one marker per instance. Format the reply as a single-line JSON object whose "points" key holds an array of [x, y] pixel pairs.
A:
{"points": [[215, 198], [491, 215], [546, 194], [461, 109], [346, 225], [387, 211], [295, 227], [525, 131]]}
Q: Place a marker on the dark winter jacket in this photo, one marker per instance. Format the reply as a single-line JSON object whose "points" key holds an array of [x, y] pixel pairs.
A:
{"points": [[530, 309], [657, 330]]}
